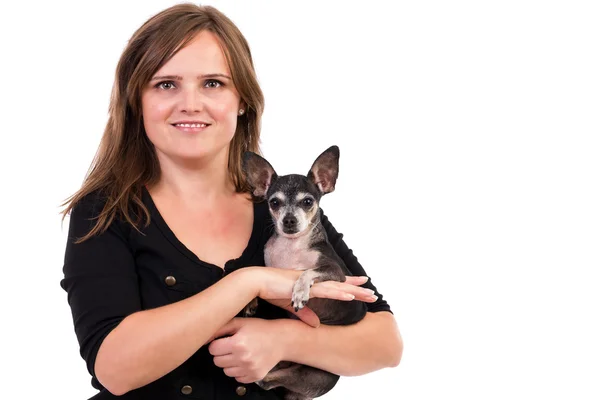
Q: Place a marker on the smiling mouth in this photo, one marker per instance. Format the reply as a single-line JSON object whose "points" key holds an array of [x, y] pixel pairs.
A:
{"points": [[190, 125]]}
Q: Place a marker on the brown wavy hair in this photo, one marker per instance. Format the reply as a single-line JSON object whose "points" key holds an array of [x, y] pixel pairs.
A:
{"points": [[126, 160]]}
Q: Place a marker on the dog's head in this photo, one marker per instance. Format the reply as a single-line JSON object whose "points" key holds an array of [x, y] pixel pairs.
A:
{"points": [[293, 199]]}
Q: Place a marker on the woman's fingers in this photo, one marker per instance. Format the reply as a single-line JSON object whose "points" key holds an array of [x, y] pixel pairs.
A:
{"points": [[306, 315], [328, 292], [234, 372], [342, 291], [356, 280], [348, 290], [226, 361], [239, 374]]}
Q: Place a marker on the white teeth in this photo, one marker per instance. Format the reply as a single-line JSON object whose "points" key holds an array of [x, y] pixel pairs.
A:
{"points": [[191, 125]]}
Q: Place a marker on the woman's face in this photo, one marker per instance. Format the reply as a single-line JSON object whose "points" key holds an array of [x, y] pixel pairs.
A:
{"points": [[190, 106]]}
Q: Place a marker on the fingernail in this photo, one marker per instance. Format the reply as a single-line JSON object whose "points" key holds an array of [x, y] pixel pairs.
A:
{"points": [[369, 291], [349, 296], [373, 297]]}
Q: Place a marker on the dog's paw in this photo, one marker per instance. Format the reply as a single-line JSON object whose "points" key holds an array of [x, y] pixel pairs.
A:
{"points": [[301, 292]]}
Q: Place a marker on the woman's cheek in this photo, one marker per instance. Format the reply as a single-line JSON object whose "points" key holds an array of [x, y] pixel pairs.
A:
{"points": [[161, 110]]}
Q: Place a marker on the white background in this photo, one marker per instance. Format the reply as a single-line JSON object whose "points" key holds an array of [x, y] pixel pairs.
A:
{"points": [[469, 178]]}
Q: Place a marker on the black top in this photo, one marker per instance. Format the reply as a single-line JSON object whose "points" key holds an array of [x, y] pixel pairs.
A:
{"points": [[121, 271]]}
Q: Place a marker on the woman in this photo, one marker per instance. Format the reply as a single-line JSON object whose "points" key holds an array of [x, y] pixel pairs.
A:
{"points": [[165, 243]]}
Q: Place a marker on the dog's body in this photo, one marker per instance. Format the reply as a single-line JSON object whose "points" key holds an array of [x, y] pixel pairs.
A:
{"points": [[314, 254], [300, 242]]}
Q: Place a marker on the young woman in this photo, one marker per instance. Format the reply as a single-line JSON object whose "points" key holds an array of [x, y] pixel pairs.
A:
{"points": [[166, 244]]}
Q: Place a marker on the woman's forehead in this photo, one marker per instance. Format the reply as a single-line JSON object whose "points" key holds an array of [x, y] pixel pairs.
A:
{"points": [[202, 55]]}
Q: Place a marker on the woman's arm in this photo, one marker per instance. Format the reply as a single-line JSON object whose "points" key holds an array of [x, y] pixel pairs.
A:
{"points": [[148, 344], [371, 344], [125, 347], [252, 346]]}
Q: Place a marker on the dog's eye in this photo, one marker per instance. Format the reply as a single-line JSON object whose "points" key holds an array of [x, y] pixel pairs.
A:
{"points": [[274, 203], [307, 202]]}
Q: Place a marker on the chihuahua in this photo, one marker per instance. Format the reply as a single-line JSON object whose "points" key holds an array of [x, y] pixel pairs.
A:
{"points": [[300, 242]]}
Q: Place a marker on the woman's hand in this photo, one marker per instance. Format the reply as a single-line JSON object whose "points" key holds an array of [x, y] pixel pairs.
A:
{"points": [[251, 349], [277, 284]]}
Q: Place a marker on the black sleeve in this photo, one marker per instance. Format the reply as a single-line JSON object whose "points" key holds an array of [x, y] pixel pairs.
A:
{"points": [[99, 278], [346, 254]]}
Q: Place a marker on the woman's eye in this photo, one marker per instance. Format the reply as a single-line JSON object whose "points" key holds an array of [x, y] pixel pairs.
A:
{"points": [[166, 85], [307, 202], [213, 83]]}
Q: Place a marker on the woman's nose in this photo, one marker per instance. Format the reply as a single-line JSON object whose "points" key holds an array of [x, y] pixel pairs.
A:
{"points": [[192, 101]]}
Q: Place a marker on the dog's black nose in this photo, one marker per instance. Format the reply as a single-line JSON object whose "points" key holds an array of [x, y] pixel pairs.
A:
{"points": [[289, 221]]}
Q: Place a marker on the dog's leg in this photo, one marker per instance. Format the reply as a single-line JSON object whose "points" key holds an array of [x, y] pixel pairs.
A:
{"points": [[303, 380], [327, 272]]}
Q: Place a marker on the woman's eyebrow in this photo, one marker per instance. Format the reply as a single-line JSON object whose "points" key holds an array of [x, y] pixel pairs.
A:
{"points": [[218, 75], [167, 77], [179, 78]]}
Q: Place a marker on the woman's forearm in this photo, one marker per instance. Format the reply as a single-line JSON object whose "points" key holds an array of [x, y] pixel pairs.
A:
{"points": [[148, 344], [370, 344]]}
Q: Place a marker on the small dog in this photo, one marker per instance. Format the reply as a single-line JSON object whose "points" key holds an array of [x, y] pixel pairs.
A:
{"points": [[300, 242]]}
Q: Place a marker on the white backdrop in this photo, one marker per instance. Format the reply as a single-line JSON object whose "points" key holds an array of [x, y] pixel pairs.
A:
{"points": [[469, 177]]}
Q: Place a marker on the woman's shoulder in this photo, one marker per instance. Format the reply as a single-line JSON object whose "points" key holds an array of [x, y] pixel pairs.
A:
{"points": [[94, 214], [93, 207], [89, 205], [93, 203]]}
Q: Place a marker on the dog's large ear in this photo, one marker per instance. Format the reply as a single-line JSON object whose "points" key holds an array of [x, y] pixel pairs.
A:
{"points": [[259, 172], [324, 171]]}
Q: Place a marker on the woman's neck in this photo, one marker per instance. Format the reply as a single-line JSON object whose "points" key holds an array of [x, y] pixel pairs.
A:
{"points": [[195, 182]]}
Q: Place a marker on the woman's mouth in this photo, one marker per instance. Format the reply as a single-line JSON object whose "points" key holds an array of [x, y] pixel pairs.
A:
{"points": [[191, 126]]}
